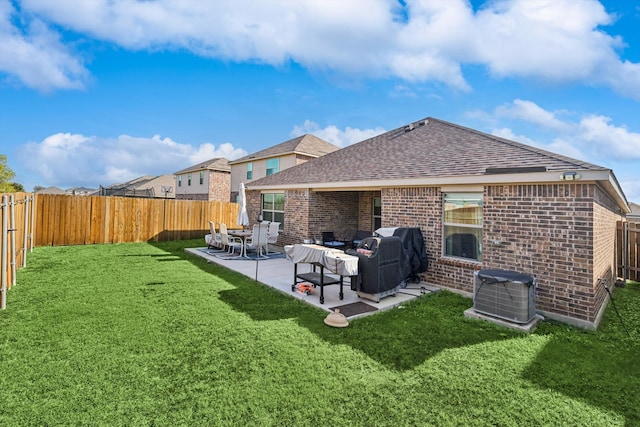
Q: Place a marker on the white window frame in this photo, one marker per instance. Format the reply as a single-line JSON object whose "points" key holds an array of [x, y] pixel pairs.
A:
{"points": [[449, 244], [269, 212]]}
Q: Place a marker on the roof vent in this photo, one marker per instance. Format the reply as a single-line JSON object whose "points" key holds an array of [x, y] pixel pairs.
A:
{"points": [[524, 169], [409, 128]]}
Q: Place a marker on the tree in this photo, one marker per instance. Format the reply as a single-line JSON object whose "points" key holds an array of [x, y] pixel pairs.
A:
{"points": [[6, 175], [37, 188]]}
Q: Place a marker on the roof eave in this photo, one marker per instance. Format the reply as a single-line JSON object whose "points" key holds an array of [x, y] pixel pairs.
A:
{"points": [[602, 176], [285, 153]]}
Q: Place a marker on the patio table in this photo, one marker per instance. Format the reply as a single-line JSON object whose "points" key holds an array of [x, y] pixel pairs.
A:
{"points": [[334, 260], [242, 235]]}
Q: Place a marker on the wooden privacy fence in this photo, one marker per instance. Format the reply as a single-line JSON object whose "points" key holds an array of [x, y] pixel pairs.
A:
{"points": [[17, 238], [628, 250], [87, 220]]}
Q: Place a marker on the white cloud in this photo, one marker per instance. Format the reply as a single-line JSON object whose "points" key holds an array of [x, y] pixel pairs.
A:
{"points": [[594, 137], [35, 55], [332, 134], [70, 160], [531, 112], [427, 40], [609, 140]]}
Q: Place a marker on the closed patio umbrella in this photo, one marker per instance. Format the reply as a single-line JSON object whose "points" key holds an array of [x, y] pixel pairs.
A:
{"points": [[243, 217]]}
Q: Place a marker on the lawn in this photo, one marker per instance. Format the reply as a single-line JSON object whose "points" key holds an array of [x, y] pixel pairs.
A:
{"points": [[147, 334]]}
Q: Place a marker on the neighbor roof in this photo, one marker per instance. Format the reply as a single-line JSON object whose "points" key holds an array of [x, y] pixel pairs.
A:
{"points": [[432, 152], [308, 145], [217, 164]]}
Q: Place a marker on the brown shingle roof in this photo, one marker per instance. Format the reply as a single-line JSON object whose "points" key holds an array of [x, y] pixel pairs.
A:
{"points": [[427, 148], [218, 164], [309, 145]]}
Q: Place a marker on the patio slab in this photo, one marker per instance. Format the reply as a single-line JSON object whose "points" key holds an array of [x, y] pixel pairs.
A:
{"points": [[278, 274]]}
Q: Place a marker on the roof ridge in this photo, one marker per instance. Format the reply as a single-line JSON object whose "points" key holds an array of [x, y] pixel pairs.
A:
{"points": [[520, 145]]}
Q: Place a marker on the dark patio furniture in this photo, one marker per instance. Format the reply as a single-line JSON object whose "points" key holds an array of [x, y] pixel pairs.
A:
{"points": [[379, 267], [329, 240], [360, 235]]}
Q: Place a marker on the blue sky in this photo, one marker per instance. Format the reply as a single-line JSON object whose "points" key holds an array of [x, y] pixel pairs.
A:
{"points": [[102, 91]]}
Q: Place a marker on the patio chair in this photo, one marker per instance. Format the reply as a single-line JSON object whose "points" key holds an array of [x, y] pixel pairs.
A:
{"points": [[272, 235], [213, 239], [229, 242], [258, 239], [329, 240]]}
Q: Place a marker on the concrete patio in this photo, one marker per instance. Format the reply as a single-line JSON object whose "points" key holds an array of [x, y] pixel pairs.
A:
{"points": [[277, 272]]}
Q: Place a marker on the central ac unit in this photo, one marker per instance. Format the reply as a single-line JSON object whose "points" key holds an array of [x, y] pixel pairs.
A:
{"points": [[508, 295]]}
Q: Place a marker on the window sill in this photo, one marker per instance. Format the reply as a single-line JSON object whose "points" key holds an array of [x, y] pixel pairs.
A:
{"points": [[461, 262]]}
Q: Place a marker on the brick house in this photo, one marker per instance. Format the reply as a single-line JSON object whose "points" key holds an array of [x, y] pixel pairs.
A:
{"points": [[209, 180], [276, 158], [481, 202]]}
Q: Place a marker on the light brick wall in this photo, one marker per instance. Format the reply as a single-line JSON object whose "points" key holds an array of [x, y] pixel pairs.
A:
{"points": [[219, 186]]}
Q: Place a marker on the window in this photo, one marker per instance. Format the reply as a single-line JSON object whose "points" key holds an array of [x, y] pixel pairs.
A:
{"points": [[273, 166], [250, 170], [188, 179], [179, 180], [377, 213], [273, 207], [201, 177], [463, 225]]}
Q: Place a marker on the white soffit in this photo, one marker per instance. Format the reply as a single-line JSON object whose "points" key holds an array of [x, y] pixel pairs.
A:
{"points": [[445, 181]]}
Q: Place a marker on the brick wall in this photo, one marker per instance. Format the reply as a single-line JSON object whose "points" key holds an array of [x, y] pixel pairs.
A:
{"points": [[545, 231], [219, 186], [563, 234], [333, 211], [365, 210], [604, 247], [296, 219]]}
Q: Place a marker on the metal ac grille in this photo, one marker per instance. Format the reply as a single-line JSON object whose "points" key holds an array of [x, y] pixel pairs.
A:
{"points": [[511, 301]]}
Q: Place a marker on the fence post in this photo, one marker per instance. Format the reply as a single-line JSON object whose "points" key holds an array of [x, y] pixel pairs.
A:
{"points": [[13, 229], [25, 231], [33, 222], [3, 263]]}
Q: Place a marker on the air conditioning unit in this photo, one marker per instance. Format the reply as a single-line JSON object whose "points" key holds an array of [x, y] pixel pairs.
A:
{"points": [[508, 295]]}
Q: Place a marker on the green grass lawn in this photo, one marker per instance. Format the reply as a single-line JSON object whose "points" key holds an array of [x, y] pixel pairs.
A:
{"points": [[147, 334]]}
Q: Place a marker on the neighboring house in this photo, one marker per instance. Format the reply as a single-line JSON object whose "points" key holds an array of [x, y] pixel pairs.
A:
{"points": [[634, 215], [276, 158], [481, 202], [75, 191], [80, 191], [161, 186], [209, 180], [51, 190]]}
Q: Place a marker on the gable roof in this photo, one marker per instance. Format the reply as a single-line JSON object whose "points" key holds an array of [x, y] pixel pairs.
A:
{"points": [[635, 210], [51, 190], [308, 145], [432, 152], [216, 164]]}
